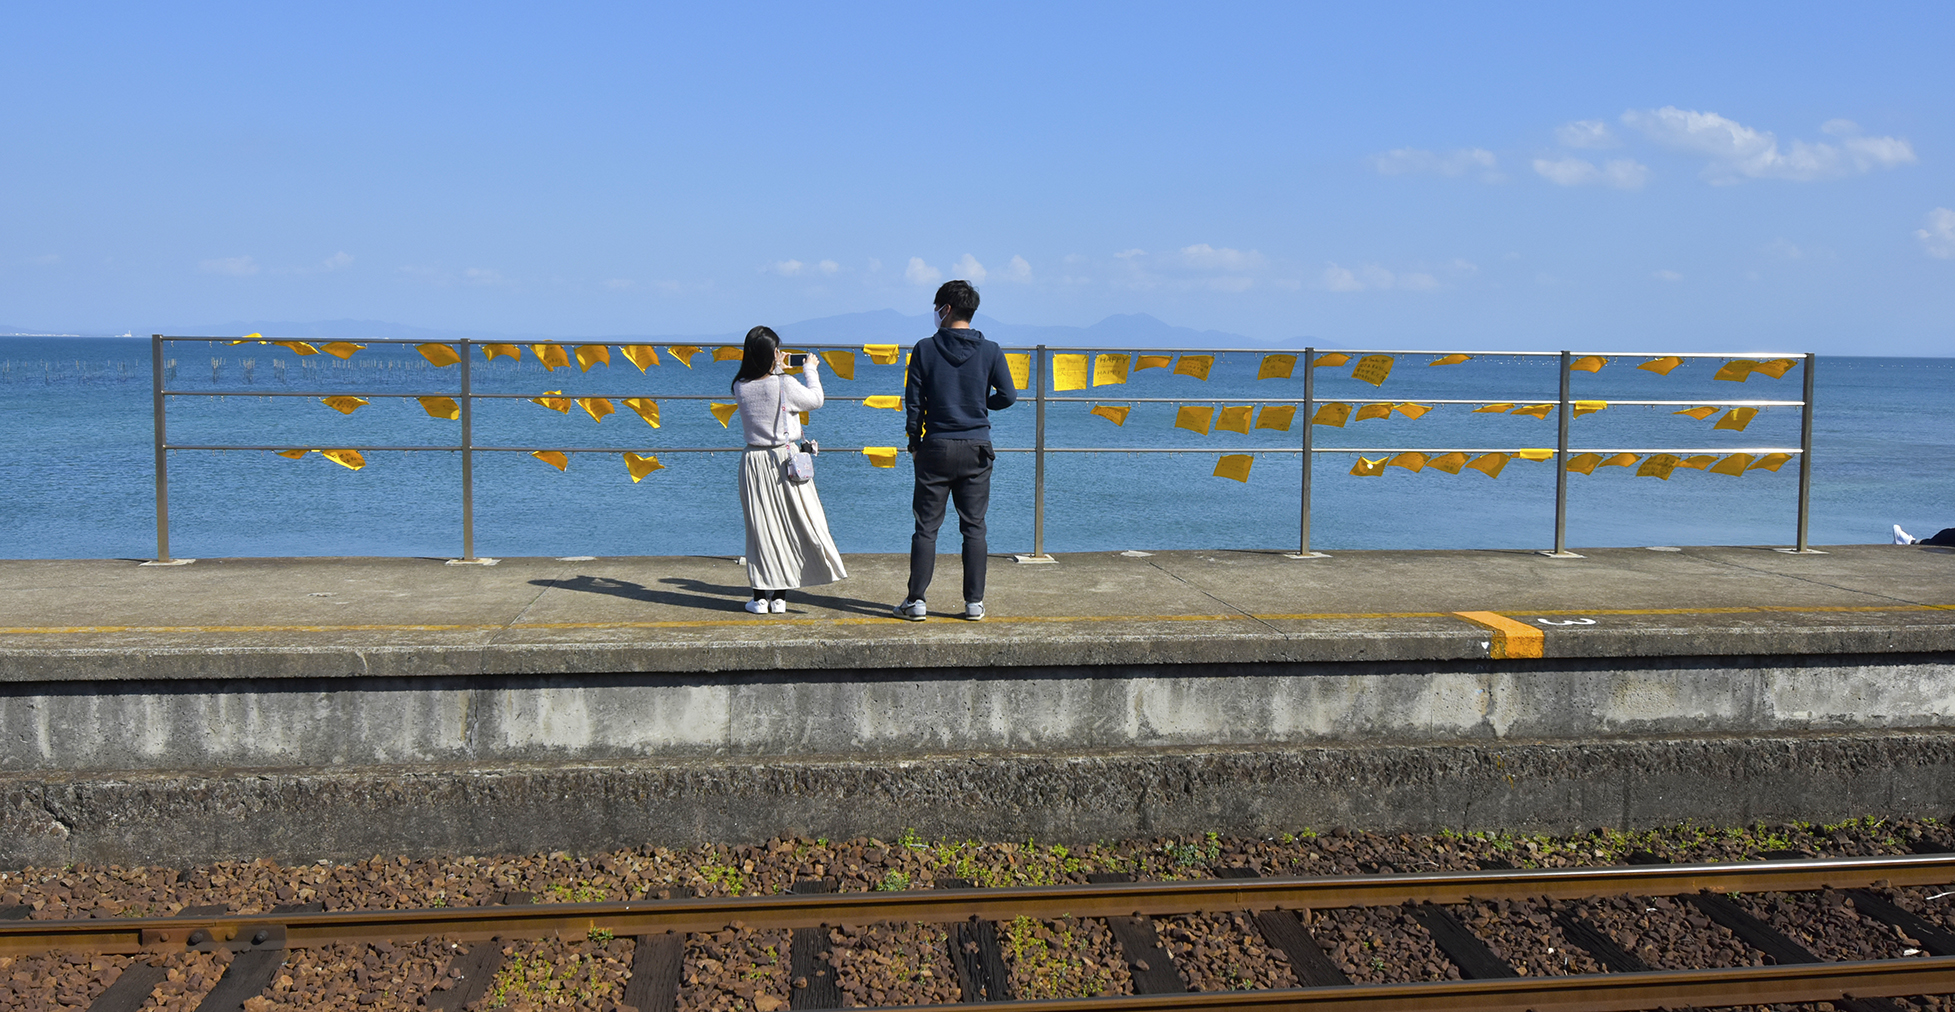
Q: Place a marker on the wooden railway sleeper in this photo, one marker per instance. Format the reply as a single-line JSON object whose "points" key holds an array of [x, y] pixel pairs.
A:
{"points": [[811, 977], [1286, 932], [1149, 965], [476, 969], [658, 964], [974, 951]]}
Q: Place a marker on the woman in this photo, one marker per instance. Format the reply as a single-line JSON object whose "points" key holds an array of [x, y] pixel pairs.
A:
{"points": [[788, 544]]}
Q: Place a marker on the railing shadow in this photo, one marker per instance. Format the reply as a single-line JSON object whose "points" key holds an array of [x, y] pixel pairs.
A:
{"points": [[703, 596]]}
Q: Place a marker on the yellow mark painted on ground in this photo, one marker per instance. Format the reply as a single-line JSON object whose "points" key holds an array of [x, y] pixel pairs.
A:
{"points": [[1510, 639]]}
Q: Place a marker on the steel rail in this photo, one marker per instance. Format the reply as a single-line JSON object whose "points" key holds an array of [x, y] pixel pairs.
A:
{"points": [[707, 914], [1592, 992]]}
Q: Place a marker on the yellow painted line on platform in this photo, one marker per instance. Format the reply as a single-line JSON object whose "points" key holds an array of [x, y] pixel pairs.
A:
{"points": [[998, 620], [1510, 638]]}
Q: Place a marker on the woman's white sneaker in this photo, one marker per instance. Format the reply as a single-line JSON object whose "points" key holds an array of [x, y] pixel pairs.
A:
{"points": [[778, 605], [757, 606]]}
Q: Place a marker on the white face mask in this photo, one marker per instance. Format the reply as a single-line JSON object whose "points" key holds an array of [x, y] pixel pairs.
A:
{"points": [[940, 313]]}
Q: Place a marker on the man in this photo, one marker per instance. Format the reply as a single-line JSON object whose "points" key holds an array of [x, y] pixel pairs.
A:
{"points": [[955, 380]]}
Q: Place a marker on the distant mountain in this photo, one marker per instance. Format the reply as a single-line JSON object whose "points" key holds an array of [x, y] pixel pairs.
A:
{"points": [[882, 326]]}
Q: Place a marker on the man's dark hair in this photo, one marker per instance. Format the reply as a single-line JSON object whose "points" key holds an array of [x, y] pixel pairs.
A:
{"points": [[962, 299]]}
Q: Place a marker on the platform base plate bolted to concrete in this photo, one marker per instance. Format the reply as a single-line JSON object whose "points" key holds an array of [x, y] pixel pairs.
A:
{"points": [[1306, 555], [167, 562], [1798, 551], [1036, 560], [472, 562], [1561, 555]]}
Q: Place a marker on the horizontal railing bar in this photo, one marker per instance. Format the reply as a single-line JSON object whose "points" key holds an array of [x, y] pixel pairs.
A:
{"points": [[1000, 449], [1049, 400], [305, 446], [310, 393]]}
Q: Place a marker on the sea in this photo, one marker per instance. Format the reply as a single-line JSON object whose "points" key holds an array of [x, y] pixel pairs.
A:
{"points": [[79, 476]]}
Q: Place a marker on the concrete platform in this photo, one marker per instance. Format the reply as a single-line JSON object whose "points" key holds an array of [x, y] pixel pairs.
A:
{"points": [[151, 713]]}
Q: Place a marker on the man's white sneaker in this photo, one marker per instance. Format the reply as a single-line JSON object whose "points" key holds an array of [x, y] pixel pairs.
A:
{"points": [[974, 611], [757, 606], [778, 605], [912, 610]]}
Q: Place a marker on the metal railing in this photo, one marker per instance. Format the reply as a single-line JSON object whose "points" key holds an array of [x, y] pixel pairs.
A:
{"points": [[1039, 369]]}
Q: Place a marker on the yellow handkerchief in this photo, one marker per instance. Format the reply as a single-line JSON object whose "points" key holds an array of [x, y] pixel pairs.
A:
{"points": [[1698, 462], [1584, 463], [441, 407], [1490, 464], [729, 353], [893, 402], [1737, 370], [646, 408], [880, 354], [1776, 368], [1494, 409], [880, 456], [299, 348], [723, 412], [640, 355], [1622, 460], [1534, 454], [1374, 411], [1769, 462], [1020, 364], [1110, 369], [1194, 365], [1153, 362], [1333, 415], [1659, 465], [293, 454], [1448, 462], [1453, 359], [1194, 418], [559, 404], [1589, 407], [551, 355], [1330, 358], [841, 362], [1588, 363], [591, 354], [438, 354], [345, 458], [640, 466], [344, 405], [1069, 372], [1535, 410], [491, 352], [245, 338], [1411, 460], [1234, 465], [1234, 419], [1662, 366], [341, 349], [596, 407], [1277, 367], [1373, 369], [1736, 419], [682, 352], [1276, 416], [554, 458], [1411, 410], [1115, 413], [1368, 468], [1698, 413], [1734, 465]]}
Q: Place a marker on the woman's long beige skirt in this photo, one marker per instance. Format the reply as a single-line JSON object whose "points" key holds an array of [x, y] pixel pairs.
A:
{"points": [[788, 544]]}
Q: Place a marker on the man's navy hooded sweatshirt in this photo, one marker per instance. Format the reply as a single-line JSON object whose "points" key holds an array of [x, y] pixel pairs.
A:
{"points": [[955, 375]]}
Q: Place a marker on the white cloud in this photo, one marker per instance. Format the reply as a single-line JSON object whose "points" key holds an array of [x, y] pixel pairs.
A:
{"points": [[1587, 133], [1737, 152], [1418, 282], [1621, 173], [1938, 239], [786, 268], [337, 262], [1017, 270], [486, 278], [1203, 257], [969, 269], [921, 274], [237, 267], [1416, 161], [828, 267], [1342, 279], [1667, 276], [1372, 277]]}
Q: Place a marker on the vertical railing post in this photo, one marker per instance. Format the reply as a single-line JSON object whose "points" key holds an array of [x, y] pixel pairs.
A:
{"points": [[468, 457], [1038, 457], [162, 455], [1309, 453], [1561, 467], [1805, 455]]}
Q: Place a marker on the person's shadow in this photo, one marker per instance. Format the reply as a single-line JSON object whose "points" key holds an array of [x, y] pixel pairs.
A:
{"points": [[703, 596]]}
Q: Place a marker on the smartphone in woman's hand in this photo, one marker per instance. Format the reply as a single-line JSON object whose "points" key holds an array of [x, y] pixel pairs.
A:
{"points": [[796, 361]]}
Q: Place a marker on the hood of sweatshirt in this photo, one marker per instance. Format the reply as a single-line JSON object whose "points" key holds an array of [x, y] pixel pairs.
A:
{"points": [[958, 344]]}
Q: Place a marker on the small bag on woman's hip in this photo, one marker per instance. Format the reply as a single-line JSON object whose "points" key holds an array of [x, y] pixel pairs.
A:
{"points": [[799, 467]]}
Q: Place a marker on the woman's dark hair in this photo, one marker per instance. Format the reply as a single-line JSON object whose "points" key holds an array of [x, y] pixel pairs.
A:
{"points": [[758, 359]]}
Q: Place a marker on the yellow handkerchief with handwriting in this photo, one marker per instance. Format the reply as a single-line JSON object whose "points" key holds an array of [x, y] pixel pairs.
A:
{"points": [[841, 362], [1110, 369], [1153, 362], [640, 355], [1277, 367], [1234, 465], [1194, 418], [1490, 464], [682, 352], [1115, 413], [344, 405], [1234, 419], [1411, 460], [1411, 410], [1448, 462], [1276, 416], [1373, 369], [558, 404], [596, 407], [591, 354], [345, 458], [1584, 463], [491, 352], [1020, 364], [646, 408], [441, 407], [1374, 411], [438, 354], [1333, 415], [1194, 365], [1659, 465], [1734, 465], [1069, 372], [551, 355], [1736, 419]]}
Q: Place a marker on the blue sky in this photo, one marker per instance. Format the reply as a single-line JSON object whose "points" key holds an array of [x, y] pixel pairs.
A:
{"points": [[1682, 176]]}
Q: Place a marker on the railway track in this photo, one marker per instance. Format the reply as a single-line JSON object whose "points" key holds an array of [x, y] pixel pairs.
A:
{"points": [[1277, 911]]}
